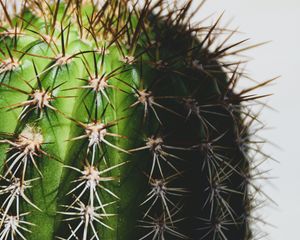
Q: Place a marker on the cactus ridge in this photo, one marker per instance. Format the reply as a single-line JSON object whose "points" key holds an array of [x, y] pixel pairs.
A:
{"points": [[121, 120]]}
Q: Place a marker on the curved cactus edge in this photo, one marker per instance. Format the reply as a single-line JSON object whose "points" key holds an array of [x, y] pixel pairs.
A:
{"points": [[223, 51]]}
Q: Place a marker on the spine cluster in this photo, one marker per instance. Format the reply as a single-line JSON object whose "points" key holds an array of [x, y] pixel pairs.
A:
{"points": [[25, 150], [163, 199], [95, 93]]}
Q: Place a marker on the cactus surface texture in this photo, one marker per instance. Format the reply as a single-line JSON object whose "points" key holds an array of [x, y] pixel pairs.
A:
{"points": [[120, 120]]}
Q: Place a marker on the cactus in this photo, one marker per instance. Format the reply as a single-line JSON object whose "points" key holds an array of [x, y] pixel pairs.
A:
{"points": [[120, 120]]}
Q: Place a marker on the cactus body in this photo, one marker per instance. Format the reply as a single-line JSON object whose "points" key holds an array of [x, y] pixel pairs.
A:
{"points": [[120, 121]]}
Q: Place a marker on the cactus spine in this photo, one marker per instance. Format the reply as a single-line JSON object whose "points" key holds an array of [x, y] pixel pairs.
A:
{"points": [[118, 120]]}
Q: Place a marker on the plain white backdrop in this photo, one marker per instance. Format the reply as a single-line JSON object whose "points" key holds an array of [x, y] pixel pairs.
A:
{"points": [[277, 21]]}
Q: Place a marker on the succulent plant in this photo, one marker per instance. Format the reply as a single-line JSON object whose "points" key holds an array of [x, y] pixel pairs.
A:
{"points": [[122, 120]]}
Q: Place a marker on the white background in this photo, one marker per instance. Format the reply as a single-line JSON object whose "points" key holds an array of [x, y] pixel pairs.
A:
{"points": [[278, 21]]}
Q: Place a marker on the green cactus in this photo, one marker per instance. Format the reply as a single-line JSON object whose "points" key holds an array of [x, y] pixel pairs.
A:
{"points": [[119, 120]]}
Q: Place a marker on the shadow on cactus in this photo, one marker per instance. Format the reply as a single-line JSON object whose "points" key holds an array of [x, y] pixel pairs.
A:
{"points": [[119, 120]]}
